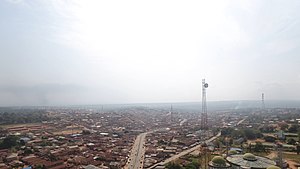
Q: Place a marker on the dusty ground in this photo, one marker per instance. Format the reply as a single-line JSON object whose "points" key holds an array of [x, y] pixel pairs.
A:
{"points": [[67, 132], [253, 141], [292, 163], [272, 155]]}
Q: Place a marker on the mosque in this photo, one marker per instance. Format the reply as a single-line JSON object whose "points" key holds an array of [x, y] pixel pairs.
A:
{"points": [[237, 161]]}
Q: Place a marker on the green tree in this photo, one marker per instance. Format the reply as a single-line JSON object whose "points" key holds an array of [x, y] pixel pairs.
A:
{"points": [[291, 141], [27, 151], [270, 139], [293, 128], [86, 132], [40, 167], [252, 134], [259, 147], [226, 131], [237, 134], [298, 149], [191, 166], [173, 165], [9, 142]]}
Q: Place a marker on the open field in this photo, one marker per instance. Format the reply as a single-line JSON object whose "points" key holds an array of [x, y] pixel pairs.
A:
{"points": [[292, 156]]}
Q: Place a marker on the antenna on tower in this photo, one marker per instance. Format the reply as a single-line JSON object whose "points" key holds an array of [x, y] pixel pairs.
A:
{"points": [[263, 101], [204, 124]]}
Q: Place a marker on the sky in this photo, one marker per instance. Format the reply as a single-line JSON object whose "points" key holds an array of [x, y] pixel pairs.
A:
{"points": [[70, 52]]}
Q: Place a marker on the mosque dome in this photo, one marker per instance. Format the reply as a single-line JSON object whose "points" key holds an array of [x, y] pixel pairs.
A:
{"points": [[232, 152], [249, 160], [249, 157], [273, 167], [218, 161]]}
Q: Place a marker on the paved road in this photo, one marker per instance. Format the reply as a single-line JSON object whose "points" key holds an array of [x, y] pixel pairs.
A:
{"points": [[185, 152], [241, 121], [136, 159]]}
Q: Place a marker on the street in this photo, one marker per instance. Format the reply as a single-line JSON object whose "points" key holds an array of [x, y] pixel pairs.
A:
{"points": [[136, 159], [184, 152]]}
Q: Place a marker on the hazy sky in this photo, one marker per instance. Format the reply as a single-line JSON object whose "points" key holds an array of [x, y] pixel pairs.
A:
{"points": [[93, 52]]}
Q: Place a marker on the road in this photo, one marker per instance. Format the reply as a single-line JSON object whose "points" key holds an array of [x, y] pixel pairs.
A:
{"points": [[185, 152], [241, 121], [136, 159]]}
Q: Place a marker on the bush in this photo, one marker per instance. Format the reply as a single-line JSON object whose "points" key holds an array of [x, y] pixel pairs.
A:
{"points": [[173, 165], [270, 139], [291, 141]]}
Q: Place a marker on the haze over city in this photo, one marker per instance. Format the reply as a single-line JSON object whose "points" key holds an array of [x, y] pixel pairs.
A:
{"points": [[160, 84], [106, 52]]}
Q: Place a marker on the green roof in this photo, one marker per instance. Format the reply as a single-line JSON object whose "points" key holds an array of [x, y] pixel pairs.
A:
{"points": [[219, 161], [249, 157], [247, 161], [232, 152], [273, 167]]}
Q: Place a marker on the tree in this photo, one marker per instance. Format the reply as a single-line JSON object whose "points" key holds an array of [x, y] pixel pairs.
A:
{"points": [[267, 129], [193, 165], [252, 134], [270, 139], [173, 165], [40, 167], [226, 131], [217, 143], [9, 142], [298, 149], [259, 147], [86, 132], [237, 134], [291, 141], [27, 151], [293, 128]]}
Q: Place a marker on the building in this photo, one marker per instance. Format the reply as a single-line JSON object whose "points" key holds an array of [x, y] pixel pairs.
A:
{"points": [[218, 162], [249, 161], [273, 167]]}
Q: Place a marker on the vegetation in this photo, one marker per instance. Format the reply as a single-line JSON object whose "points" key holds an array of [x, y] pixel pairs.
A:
{"points": [[291, 141], [268, 129], [22, 116], [9, 142], [294, 128], [173, 165], [192, 165], [252, 134], [259, 147], [247, 133], [40, 167], [191, 162], [270, 139]]}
